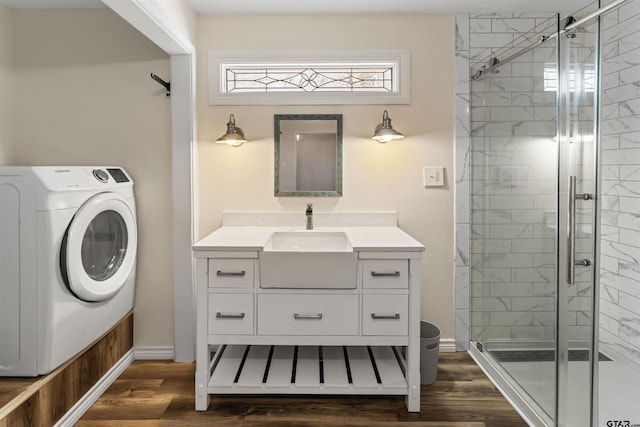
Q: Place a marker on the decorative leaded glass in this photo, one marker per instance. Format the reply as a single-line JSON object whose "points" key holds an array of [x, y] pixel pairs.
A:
{"points": [[309, 77], [264, 78]]}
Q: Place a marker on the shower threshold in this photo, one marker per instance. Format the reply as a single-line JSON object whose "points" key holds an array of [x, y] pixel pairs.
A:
{"points": [[529, 409], [542, 356]]}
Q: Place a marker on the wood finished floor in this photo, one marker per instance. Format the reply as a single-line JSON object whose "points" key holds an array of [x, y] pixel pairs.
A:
{"points": [[161, 393]]}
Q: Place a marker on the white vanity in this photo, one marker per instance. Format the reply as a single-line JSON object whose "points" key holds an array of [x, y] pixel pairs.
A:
{"points": [[284, 310]]}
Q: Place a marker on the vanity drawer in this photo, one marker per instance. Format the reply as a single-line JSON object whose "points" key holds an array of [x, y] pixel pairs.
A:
{"points": [[385, 314], [280, 314], [230, 273], [230, 314], [385, 273]]}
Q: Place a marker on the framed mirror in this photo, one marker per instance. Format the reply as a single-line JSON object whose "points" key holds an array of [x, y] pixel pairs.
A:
{"points": [[308, 155]]}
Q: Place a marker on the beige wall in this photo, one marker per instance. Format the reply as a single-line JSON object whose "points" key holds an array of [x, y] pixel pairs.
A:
{"points": [[86, 99], [6, 84], [181, 16], [377, 177]]}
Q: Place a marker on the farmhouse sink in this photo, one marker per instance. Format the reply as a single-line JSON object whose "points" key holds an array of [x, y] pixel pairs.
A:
{"points": [[308, 260], [309, 241]]}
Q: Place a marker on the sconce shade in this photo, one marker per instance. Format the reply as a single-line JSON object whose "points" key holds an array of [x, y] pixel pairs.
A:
{"points": [[384, 131], [234, 135]]}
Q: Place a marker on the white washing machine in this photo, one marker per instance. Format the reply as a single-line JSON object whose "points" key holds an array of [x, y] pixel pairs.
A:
{"points": [[68, 241]]}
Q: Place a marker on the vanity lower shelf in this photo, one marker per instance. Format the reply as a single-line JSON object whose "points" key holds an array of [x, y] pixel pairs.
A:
{"points": [[274, 369]]}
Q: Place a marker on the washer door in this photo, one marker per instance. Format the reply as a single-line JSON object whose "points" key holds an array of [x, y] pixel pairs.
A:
{"points": [[100, 249]]}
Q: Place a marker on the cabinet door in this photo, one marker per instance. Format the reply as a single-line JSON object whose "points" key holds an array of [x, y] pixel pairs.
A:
{"points": [[281, 314], [385, 314], [230, 314]]}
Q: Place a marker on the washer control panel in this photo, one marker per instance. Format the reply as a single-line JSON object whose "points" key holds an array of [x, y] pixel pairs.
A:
{"points": [[59, 178], [118, 175]]}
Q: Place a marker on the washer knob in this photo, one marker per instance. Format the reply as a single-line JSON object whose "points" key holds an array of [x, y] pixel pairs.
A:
{"points": [[100, 175]]}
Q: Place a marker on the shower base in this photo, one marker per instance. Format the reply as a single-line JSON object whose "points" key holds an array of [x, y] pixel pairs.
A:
{"points": [[529, 385]]}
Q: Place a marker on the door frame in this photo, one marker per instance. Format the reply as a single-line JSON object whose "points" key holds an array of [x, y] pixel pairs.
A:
{"points": [[144, 16]]}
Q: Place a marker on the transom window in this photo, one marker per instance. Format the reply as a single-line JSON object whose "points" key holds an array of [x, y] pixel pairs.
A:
{"points": [[310, 77], [343, 77]]}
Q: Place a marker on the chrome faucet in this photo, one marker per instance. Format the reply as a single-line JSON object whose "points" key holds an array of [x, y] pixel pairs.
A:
{"points": [[309, 214]]}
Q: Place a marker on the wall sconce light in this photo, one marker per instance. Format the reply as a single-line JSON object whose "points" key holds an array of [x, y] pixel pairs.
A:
{"points": [[384, 131], [234, 135]]}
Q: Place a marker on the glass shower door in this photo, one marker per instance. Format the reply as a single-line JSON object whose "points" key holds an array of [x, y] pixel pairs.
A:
{"points": [[578, 65], [554, 227], [514, 203], [533, 139]]}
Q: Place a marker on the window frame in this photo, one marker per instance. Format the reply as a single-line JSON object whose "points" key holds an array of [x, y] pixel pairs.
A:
{"points": [[399, 58]]}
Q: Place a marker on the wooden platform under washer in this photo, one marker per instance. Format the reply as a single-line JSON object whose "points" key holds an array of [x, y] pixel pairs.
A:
{"points": [[308, 370], [41, 401]]}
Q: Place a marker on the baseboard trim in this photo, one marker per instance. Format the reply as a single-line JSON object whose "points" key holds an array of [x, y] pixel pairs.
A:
{"points": [[153, 353], [77, 411], [447, 345], [137, 353]]}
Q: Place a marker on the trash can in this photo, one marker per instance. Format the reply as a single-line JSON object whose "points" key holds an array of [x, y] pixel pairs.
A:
{"points": [[429, 348]]}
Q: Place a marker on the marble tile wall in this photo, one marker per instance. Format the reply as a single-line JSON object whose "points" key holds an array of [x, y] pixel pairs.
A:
{"points": [[462, 187], [513, 157], [620, 233], [477, 37], [514, 199], [523, 307]]}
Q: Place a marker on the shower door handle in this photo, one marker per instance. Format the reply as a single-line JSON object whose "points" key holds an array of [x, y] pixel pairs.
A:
{"points": [[572, 196], [571, 230]]}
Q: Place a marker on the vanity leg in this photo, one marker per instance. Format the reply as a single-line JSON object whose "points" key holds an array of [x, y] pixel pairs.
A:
{"points": [[202, 346], [413, 398], [413, 349], [202, 397], [413, 379]]}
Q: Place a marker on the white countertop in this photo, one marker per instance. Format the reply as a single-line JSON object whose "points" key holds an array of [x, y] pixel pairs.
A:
{"points": [[252, 238], [367, 231]]}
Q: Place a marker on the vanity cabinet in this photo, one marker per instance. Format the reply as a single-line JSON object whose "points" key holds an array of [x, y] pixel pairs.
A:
{"points": [[362, 339]]}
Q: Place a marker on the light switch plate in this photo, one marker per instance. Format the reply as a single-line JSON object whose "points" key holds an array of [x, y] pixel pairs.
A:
{"points": [[433, 176]]}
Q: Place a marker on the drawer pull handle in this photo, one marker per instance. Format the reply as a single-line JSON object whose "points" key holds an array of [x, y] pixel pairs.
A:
{"points": [[388, 316], [394, 274], [229, 316], [307, 316], [231, 273]]}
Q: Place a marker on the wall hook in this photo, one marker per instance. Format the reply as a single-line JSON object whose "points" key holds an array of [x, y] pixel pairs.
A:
{"points": [[163, 83]]}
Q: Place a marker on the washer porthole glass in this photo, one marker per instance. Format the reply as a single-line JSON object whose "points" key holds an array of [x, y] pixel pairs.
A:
{"points": [[104, 245]]}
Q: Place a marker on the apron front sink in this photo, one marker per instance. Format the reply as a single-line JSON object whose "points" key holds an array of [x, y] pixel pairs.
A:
{"points": [[308, 260]]}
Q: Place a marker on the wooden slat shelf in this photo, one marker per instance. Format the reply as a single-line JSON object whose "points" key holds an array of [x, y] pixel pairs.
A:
{"points": [[249, 369]]}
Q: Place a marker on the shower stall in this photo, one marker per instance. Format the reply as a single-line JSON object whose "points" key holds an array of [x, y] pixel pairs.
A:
{"points": [[555, 218]]}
